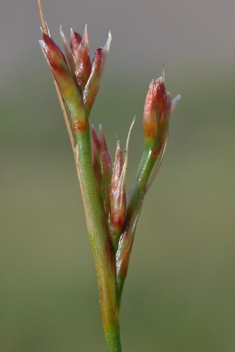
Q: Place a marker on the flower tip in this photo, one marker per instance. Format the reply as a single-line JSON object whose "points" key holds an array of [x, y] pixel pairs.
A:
{"points": [[93, 131], [163, 72], [101, 133], [44, 34], [174, 102], [108, 43], [43, 46], [118, 144], [75, 40], [85, 33], [133, 122], [64, 40], [46, 31], [177, 98], [62, 35], [160, 80], [47, 28]]}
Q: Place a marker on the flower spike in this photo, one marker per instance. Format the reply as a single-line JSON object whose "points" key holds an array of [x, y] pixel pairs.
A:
{"points": [[111, 213]]}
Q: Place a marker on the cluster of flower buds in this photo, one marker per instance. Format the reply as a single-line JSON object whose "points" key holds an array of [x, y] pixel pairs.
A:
{"points": [[78, 78], [111, 183]]}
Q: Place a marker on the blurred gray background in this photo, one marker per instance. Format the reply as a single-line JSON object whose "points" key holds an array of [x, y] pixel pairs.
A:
{"points": [[180, 290]]}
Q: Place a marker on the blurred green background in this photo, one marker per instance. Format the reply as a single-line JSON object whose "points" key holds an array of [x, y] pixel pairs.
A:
{"points": [[180, 290]]}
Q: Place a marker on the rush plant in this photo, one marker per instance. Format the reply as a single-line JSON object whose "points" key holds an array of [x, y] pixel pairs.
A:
{"points": [[111, 212]]}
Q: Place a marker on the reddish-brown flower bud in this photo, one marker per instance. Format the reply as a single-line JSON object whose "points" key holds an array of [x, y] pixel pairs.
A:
{"points": [[163, 123], [75, 41], [94, 81], [54, 57], [80, 50], [65, 81], [157, 111], [117, 191], [102, 166], [117, 171], [154, 103], [117, 194]]}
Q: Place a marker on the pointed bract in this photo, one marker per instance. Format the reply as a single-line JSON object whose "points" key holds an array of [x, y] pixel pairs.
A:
{"points": [[106, 170], [117, 195], [117, 192], [93, 84], [105, 157], [116, 173], [174, 102], [96, 151], [75, 41], [68, 53], [102, 167]]}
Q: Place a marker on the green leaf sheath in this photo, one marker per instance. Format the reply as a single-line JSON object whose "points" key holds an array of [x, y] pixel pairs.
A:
{"points": [[100, 243], [145, 169]]}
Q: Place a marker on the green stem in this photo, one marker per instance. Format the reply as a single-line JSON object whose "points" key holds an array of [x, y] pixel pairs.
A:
{"points": [[143, 174], [100, 243], [133, 210], [147, 162], [112, 336]]}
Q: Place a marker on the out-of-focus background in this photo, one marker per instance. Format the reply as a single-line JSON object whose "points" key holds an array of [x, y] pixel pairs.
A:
{"points": [[180, 290]]}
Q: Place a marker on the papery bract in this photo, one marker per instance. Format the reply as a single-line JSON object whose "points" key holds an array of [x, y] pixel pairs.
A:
{"points": [[117, 194], [93, 84]]}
